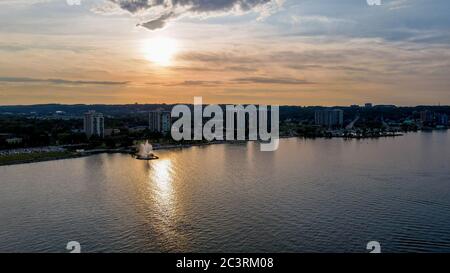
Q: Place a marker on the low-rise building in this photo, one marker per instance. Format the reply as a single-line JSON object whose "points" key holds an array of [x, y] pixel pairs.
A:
{"points": [[111, 132], [14, 140]]}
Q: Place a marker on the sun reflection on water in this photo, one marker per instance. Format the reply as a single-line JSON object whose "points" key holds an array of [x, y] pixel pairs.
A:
{"points": [[161, 175], [166, 219]]}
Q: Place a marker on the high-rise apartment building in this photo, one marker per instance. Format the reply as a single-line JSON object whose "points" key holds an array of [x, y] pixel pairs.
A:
{"points": [[330, 118], [160, 121], [94, 124]]}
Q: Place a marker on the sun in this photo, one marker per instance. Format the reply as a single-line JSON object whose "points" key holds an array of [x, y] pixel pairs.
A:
{"points": [[160, 50]]}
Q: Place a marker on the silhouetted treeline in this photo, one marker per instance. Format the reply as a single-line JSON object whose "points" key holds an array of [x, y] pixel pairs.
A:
{"points": [[293, 112]]}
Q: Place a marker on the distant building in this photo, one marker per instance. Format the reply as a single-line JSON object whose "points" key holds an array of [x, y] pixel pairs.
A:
{"points": [[330, 118], [426, 116], [111, 132], [443, 119], [386, 106], [354, 106], [94, 124], [368, 105], [160, 121], [5, 136], [14, 140], [137, 129]]}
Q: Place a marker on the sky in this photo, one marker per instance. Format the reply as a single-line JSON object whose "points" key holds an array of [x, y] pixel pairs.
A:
{"points": [[284, 52]]}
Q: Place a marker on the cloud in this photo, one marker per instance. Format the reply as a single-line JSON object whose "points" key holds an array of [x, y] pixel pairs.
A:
{"points": [[22, 2], [265, 80], [231, 68], [162, 11], [198, 83], [58, 81], [215, 58], [159, 22], [189, 83], [349, 68], [244, 80], [24, 47], [393, 21]]}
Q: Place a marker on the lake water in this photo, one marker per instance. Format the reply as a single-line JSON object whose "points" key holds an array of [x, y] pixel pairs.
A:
{"points": [[322, 195]]}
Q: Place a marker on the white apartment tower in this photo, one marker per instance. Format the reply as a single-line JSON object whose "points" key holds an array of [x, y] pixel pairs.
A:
{"points": [[94, 124]]}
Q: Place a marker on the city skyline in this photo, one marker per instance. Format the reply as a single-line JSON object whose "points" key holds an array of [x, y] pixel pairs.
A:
{"points": [[257, 52], [225, 135]]}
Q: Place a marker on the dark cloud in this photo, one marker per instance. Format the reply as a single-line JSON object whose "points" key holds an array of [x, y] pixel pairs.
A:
{"points": [[195, 69], [134, 6], [24, 47], [265, 80], [189, 83], [159, 22], [244, 80], [12, 48], [165, 10], [220, 58], [215, 69], [329, 67], [58, 81], [241, 69], [198, 83]]}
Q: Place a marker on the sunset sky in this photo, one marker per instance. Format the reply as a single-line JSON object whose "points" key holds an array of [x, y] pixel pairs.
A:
{"points": [[287, 52]]}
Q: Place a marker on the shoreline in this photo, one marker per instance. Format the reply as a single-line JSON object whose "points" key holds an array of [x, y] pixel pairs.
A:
{"points": [[30, 161], [130, 151]]}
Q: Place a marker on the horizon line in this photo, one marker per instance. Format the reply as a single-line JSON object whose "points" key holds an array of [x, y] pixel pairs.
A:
{"points": [[170, 104]]}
